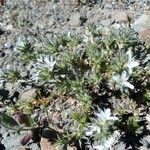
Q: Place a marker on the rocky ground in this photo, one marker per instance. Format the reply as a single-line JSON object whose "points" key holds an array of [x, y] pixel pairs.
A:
{"points": [[43, 19]]}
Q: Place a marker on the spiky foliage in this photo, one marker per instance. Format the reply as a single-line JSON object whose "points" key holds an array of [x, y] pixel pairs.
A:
{"points": [[104, 63]]}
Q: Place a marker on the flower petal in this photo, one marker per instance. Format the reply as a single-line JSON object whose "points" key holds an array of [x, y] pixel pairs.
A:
{"points": [[133, 64], [109, 142], [129, 85], [124, 76], [89, 132], [98, 147], [129, 53], [46, 60], [115, 78], [113, 118], [107, 113]]}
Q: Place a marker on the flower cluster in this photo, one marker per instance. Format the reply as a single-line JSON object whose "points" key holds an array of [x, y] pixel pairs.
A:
{"points": [[85, 69], [100, 129], [131, 63], [46, 62], [43, 69], [121, 80]]}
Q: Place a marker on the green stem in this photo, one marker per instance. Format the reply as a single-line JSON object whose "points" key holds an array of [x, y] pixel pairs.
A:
{"points": [[17, 129]]}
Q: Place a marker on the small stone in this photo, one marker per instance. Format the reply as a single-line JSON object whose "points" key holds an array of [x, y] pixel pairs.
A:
{"points": [[145, 35], [108, 6], [8, 45], [105, 23], [120, 17], [142, 23], [9, 27], [46, 144], [29, 94], [34, 146], [51, 22], [12, 142], [23, 74], [10, 88], [75, 19]]}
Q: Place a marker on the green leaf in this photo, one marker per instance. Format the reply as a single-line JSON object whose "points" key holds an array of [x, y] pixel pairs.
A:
{"points": [[62, 142], [8, 122]]}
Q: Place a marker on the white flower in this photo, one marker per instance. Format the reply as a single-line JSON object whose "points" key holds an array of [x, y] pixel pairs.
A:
{"points": [[35, 76], [105, 115], [42, 69], [98, 147], [105, 145], [101, 116], [131, 62], [122, 80], [47, 62], [93, 128], [98, 128]]}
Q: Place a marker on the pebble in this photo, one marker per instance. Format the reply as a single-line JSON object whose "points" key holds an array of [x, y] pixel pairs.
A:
{"points": [[142, 23], [29, 94], [75, 19], [120, 16], [8, 45], [145, 35], [34, 146]]}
